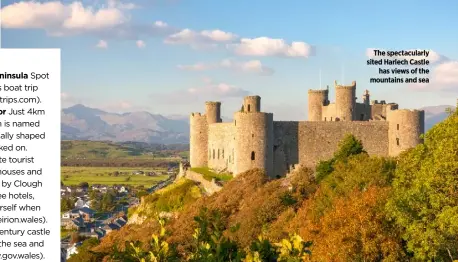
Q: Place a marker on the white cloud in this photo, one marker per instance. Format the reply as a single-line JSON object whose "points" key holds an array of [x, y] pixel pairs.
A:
{"points": [[203, 39], [433, 57], [141, 44], [66, 19], [55, 16], [69, 100], [102, 44], [252, 66], [160, 24], [207, 91], [113, 21], [444, 77], [264, 46]]}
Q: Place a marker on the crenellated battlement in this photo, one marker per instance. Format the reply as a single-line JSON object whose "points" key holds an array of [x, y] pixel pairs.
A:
{"points": [[318, 91], [254, 140], [213, 103], [352, 86]]}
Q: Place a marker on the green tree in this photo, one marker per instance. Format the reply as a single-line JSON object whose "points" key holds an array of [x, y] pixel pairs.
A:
{"points": [[210, 243], [348, 146], [160, 250], [425, 194]]}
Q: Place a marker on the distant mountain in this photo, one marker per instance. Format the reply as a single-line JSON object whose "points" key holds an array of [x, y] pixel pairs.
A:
{"points": [[85, 123], [435, 114]]}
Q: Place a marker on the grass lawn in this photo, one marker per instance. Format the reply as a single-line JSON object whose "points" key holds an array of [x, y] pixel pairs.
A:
{"points": [[105, 175], [209, 174]]}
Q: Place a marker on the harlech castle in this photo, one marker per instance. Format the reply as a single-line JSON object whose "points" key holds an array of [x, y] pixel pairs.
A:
{"points": [[254, 140]]}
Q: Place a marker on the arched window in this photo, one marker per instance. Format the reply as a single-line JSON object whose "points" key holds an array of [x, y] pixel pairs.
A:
{"points": [[213, 153], [222, 154], [249, 108], [218, 153], [252, 155], [398, 126], [397, 141]]}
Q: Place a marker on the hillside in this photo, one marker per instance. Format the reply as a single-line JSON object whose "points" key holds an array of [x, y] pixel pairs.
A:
{"points": [[361, 208], [83, 123]]}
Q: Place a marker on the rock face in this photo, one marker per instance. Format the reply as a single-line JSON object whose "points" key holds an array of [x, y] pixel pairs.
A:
{"points": [[84, 123]]}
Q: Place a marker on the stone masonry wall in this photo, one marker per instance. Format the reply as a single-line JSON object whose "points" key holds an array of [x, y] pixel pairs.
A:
{"points": [[209, 186], [307, 143], [221, 145]]}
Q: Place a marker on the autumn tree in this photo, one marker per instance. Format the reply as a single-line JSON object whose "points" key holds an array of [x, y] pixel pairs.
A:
{"points": [[425, 196], [356, 229]]}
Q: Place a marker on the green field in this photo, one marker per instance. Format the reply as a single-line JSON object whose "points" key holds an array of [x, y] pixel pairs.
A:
{"points": [[78, 149], [106, 176]]}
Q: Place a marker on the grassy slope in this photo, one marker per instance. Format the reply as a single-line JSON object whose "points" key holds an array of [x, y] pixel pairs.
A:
{"points": [[169, 199], [209, 175]]}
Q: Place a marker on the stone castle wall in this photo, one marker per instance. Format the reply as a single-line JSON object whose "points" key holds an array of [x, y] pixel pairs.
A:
{"points": [[221, 146], [406, 128], [209, 186], [253, 141], [307, 142], [345, 102], [198, 138]]}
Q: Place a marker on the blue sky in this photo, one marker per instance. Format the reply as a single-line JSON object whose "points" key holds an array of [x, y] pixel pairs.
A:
{"points": [[145, 61]]}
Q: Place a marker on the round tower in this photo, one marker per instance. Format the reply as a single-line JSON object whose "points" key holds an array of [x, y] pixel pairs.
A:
{"points": [[405, 128], [252, 104], [198, 140], [317, 99], [345, 101], [253, 142], [213, 112]]}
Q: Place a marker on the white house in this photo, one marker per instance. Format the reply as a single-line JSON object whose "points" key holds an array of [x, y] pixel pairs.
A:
{"points": [[79, 203], [73, 249]]}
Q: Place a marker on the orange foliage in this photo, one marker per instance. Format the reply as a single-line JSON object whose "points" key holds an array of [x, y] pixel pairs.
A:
{"points": [[129, 233], [354, 230]]}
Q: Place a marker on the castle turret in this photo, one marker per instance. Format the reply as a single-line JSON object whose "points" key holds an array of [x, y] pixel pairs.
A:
{"points": [[198, 140], [345, 101], [404, 129], [366, 97], [317, 99], [252, 104], [213, 112], [254, 142]]}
